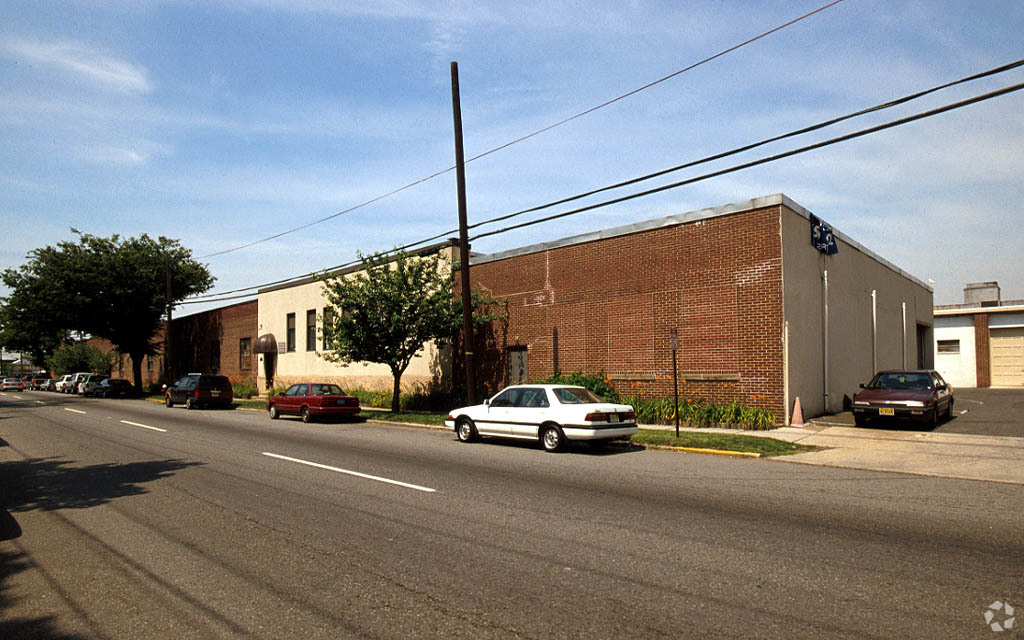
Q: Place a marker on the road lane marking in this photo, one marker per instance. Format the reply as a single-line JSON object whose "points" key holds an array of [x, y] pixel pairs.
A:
{"points": [[144, 426], [351, 473], [74, 410]]}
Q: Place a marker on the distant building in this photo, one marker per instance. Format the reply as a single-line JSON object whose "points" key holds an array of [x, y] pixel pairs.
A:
{"points": [[980, 343]]}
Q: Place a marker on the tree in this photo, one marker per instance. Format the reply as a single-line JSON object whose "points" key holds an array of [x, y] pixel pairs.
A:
{"points": [[79, 356], [110, 288], [389, 310]]}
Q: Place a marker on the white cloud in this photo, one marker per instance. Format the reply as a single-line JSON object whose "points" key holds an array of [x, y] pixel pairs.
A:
{"points": [[85, 62]]}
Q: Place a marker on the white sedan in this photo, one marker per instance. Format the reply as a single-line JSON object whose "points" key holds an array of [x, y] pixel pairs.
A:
{"points": [[552, 413]]}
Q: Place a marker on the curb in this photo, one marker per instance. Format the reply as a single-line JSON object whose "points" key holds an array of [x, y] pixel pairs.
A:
{"points": [[714, 452]]}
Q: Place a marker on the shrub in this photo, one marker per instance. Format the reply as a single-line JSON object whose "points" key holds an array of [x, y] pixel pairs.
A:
{"points": [[244, 389], [599, 383], [700, 413]]}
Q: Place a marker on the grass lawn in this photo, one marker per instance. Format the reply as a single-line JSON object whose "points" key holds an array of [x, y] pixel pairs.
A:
{"points": [[718, 441]]}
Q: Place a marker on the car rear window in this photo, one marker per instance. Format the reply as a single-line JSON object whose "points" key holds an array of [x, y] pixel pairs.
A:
{"points": [[213, 382]]}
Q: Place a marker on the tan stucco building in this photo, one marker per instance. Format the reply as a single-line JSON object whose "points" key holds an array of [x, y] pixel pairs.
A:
{"points": [[290, 346]]}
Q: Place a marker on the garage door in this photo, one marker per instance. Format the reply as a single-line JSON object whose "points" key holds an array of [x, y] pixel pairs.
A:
{"points": [[1007, 357]]}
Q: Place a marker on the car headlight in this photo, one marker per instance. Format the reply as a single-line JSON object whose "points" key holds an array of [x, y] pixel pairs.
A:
{"points": [[913, 403]]}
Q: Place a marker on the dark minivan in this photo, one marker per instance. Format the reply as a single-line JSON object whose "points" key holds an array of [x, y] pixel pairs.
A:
{"points": [[198, 390]]}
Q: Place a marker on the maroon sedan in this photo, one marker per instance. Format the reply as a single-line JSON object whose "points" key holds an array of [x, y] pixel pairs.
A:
{"points": [[913, 394], [312, 400]]}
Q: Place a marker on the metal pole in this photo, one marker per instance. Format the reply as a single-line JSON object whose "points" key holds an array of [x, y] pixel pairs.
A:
{"points": [[460, 176], [674, 343], [167, 329]]}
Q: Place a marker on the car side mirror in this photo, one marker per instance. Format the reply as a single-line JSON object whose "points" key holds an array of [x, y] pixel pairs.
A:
{"points": [[863, 386], [941, 387], [487, 401]]}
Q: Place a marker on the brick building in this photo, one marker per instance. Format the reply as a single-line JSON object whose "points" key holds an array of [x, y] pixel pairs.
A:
{"points": [[215, 341], [762, 316]]}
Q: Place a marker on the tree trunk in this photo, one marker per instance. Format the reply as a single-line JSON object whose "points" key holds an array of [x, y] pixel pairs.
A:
{"points": [[396, 392], [137, 370]]}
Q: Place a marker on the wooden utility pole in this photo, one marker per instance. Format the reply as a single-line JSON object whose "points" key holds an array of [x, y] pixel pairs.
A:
{"points": [[467, 298], [167, 328]]}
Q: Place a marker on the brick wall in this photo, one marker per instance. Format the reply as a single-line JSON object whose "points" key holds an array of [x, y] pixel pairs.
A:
{"points": [[982, 349], [208, 342], [608, 306]]}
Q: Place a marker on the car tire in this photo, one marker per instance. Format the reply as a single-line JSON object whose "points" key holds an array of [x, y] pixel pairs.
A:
{"points": [[949, 410], [307, 417], [190, 404], [552, 438], [859, 421], [168, 401], [465, 430], [274, 415]]}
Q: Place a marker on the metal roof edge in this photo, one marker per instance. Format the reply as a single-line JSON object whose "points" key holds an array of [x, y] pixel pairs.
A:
{"points": [[966, 311]]}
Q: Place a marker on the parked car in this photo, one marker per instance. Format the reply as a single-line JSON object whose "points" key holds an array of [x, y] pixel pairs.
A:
{"points": [[38, 382], [49, 385], [62, 382], [552, 414], [90, 384], [197, 390], [12, 384], [312, 400], [115, 388], [920, 395], [72, 384]]}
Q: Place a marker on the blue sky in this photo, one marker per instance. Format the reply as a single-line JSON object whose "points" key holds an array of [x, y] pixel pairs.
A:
{"points": [[221, 123]]}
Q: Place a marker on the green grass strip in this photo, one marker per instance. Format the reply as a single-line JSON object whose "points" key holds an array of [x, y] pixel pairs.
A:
{"points": [[718, 441]]}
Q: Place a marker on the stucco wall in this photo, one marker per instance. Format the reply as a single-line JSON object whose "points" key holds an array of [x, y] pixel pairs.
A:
{"points": [[303, 364], [959, 369], [852, 276]]}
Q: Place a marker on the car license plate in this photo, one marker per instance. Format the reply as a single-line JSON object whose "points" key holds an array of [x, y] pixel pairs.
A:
{"points": [[341, 401], [215, 393], [614, 417], [886, 411]]}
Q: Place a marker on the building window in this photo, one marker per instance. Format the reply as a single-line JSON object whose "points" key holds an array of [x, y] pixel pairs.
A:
{"points": [[949, 346], [291, 333], [328, 322], [311, 330], [245, 355]]}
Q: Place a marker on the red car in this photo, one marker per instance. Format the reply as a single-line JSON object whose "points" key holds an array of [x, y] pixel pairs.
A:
{"points": [[914, 394], [312, 400]]}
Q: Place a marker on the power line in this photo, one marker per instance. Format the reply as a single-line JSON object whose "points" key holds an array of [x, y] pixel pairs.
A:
{"points": [[1001, 69], [765, 160], [529, 135]]}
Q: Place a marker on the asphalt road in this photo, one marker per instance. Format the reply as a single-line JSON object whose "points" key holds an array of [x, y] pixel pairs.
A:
{"points": [[125, 519]]}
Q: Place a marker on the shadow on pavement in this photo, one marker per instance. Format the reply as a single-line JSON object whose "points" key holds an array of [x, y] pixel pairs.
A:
{"points": [[49, 484]]}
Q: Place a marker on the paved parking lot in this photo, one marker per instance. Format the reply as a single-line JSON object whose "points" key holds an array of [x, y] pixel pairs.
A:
{"points": [[983, 412]]}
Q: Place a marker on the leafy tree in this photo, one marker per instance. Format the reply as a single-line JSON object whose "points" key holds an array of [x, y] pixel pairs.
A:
{"points": [[79, 356], [389, 310], [111, 288]]}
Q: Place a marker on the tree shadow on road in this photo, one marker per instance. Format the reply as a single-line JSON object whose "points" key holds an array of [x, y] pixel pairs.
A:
{"points": [[49, 484]]}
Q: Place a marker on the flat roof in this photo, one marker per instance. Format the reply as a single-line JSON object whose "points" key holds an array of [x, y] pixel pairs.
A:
{"points": [[684, 218], [966, 310]]}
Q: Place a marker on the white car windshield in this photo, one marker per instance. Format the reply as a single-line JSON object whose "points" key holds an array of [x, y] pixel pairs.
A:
{"points": [[576, 395]]}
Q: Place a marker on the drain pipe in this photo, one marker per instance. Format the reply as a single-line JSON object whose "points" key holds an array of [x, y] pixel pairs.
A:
{"points": [[874, 332], [824, 335], [904, 335]]}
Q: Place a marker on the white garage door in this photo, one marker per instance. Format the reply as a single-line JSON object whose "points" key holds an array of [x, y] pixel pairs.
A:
{"points": [[1007, 357]]}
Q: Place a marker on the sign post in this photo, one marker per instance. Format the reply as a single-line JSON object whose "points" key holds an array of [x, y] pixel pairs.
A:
{"points": [[674, 343]]}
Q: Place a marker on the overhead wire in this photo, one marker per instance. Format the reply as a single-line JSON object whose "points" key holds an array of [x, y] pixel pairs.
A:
{"points": [[765, 160], [527, 136], [886, 105]]}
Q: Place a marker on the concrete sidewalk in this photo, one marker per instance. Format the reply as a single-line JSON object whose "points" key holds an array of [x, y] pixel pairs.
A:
{"points": [[944, 455]]}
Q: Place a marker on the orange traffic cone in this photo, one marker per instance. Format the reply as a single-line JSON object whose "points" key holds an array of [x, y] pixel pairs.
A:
{"points": [[798, 414]]}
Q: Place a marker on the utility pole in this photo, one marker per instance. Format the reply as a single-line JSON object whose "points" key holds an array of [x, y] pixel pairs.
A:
{"points": [[467, 298], [167, 329]]}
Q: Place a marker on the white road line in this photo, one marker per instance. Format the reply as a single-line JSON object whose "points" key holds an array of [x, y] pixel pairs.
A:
{"points": [[144, 426], [40, 402], [351, 473], [74, 410]]}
